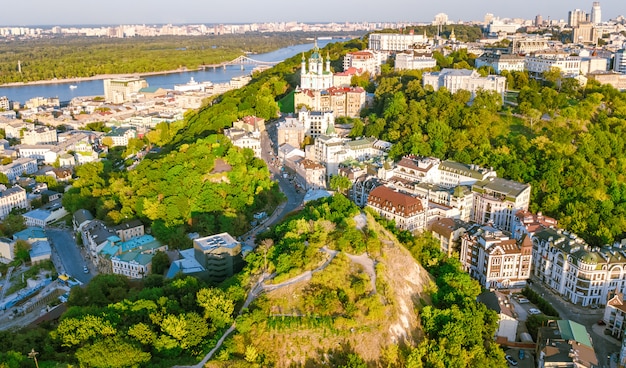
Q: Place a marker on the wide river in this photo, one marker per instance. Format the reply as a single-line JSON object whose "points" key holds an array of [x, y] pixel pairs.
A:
{"points": [[63, 91]]}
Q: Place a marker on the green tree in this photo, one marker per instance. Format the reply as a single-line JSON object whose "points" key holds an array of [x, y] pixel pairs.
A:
{"points": [[160, 263], [218, 308], [340, 183], [111, 353]]}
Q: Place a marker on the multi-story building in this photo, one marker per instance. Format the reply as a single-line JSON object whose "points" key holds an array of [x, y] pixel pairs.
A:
{"points": [[579, 273], [407, 211], [332, 151], [544, 61], [120, 90], [394, 41], [14, 129], [120, 136], [497, 200], [4, 103], [500, 62], [22, 165], [617, 80], [316, 77], [363, 61], [131, 258], [291, 131], [615, 315], [586, 33], [449, 232], [494, 258], [219, 255], [526, 45], [129, 230], [243, 139], [564, 343], [462, 79], [574, 17], [414, 60], [452, 174], [596, 13], [310, 174], [619, 63], [340, 101], [39, 135], [14, 197]]}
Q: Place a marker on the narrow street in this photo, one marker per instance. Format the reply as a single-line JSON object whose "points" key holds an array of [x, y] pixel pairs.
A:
{"points": [[604, 345]]}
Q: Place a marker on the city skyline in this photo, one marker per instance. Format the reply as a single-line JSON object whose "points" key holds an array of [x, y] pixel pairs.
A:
{"points": [[73, 12]]}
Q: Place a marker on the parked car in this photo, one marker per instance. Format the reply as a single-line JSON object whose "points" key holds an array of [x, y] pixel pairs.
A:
{"points": [[534, 311], [523, 301], [85, 269], [511, 360]]}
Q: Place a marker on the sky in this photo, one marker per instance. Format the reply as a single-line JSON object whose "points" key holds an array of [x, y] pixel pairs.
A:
{"points": [[114, 12]]}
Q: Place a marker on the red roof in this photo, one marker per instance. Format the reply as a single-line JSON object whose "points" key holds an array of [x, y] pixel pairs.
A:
{"points": [[388, 199]]}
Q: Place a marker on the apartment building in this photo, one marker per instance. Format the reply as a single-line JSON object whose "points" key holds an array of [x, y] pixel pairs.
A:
{"points": [[394, 41], [15, 169], [497, 200], [462, 79], [615, 315], [310, 174], [406, 211], [364, 61], [129, 230], [414, 60], [500, 62], [544, 61], [449, 232], [120, 136], [495, 258], [243, 139], [332, 151], [39, 135], [581, 274], [340, 101], [14, 197], [120, 90], [619, 63]]}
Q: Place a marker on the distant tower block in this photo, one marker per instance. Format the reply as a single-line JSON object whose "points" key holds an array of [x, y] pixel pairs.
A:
{"points": [[596, 13], [19, 66]]}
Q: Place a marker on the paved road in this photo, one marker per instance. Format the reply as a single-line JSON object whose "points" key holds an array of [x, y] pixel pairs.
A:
{"points": [[603, 345], [69, 255]]}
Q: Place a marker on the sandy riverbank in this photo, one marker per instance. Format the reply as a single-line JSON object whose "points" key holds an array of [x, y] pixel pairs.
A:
{"points": [[95, 77]]}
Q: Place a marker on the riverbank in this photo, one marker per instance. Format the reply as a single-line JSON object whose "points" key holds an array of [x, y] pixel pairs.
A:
{"points": [[95, 77]]}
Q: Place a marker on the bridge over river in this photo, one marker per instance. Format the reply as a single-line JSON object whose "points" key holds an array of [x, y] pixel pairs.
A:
{"points": [[241, 60]]}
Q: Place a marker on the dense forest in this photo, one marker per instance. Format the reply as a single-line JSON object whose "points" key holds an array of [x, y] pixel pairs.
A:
{"points": [[73, 57]]}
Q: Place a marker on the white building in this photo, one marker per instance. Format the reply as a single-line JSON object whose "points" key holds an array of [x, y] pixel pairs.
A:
{"points": [[394, 41], [120, 136], [500, 62], [243, 139], [39, 135], [619, 64], [497, 200], [364, 61], [596, 13], [22, 165], [581, 274], [331, 151], [11, 198], [544, 61], [494, 258], [412, 60], [463, 79]]}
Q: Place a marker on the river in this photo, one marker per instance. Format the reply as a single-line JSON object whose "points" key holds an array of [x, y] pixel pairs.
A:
{"points": [[63, 91]]}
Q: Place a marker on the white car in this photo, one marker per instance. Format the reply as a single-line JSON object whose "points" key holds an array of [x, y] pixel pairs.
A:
{"points": [[534, 311], [523, 301], [85, 269]]}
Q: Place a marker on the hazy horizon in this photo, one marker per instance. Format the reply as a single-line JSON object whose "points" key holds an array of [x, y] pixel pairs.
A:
{"points": [[117, 12]]}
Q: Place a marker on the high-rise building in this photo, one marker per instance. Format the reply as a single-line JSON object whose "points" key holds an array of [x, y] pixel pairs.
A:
{"points": [[596, 14], [538, 20], [576, 16]]}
